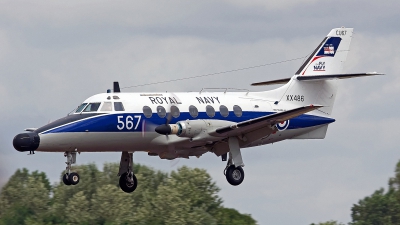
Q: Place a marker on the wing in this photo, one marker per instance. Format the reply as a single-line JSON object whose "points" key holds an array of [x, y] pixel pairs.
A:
{"points": [[264, 121]]}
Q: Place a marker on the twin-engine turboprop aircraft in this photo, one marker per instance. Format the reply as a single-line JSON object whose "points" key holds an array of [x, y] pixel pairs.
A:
{"points": [[180, 125]]}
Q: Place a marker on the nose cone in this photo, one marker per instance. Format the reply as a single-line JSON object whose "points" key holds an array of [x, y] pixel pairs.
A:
{"points": [[26, 142], [163, 129]]}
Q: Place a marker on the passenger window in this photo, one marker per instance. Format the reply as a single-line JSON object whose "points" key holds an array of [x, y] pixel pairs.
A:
{"points": [[193, 111], [80, 108], [118, 106], [161, 111], [237, 110], [210, 111], [147, 111], [106, 106], [92, 107], [223, 111], [175, 111]]}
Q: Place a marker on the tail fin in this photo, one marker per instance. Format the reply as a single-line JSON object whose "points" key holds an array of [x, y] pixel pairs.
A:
{"points": [[330, 55], [327, 59]]}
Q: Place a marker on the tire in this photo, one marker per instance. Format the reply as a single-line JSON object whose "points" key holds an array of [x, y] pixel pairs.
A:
{"points": [[234, 175], [73, 178], [126, 185], [65, 179]]}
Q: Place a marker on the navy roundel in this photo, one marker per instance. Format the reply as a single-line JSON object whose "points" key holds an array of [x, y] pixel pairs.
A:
{"points": [[282, 125]]}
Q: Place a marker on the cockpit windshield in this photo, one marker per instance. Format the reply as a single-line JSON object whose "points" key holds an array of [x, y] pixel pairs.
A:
{"points": [[80, 108], [95, 106], [92, 107]]}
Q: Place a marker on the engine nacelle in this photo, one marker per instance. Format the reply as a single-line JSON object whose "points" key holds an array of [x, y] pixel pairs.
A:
{"points": [[190, 128]]}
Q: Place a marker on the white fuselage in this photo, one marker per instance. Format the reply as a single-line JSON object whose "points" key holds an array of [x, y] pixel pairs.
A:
{"points": [[132, 129]]}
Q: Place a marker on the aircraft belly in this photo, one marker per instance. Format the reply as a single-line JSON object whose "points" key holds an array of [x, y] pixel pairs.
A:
{"points": [[96, 141]]}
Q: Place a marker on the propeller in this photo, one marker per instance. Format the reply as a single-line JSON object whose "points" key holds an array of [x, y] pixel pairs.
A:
{"points": [[172, 111]]}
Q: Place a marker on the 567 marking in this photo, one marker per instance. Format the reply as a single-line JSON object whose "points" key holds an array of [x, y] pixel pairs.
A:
{"points": [[128, 122], [296, 98]]}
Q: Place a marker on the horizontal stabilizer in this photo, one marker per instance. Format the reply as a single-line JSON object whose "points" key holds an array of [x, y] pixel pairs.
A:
{"points": [[317, 77], [268, 120], [336, 76]]}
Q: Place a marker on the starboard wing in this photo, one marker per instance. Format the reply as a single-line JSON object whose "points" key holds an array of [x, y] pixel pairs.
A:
{"points": [[264, 121]]}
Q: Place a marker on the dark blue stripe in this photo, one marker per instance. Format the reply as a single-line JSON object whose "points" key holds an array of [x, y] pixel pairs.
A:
{"points": [[109, 123]]}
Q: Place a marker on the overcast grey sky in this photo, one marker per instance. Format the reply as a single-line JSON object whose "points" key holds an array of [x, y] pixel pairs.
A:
{"points": [[55, 54]]}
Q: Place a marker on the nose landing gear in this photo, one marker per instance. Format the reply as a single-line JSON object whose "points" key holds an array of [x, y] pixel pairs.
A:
{"points": [[70, 178]]}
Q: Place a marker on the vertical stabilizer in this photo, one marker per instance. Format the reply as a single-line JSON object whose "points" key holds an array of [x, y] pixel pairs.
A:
{"points": [[327, 59], [330, 55]]}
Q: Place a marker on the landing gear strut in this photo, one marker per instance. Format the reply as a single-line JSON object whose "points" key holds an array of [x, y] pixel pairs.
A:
{"points": [[70, 178], [127, 180], [233, 170]]}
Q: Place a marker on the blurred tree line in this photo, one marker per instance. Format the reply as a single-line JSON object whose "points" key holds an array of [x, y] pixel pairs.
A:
{"points": [[381, 208], [187, 196]]}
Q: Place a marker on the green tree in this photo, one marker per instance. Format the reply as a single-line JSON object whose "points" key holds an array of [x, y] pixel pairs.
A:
{"points": [[186, 196], [381, 207], [112, 206], [227, 216], [180, 201], [78, 210], [26, 195]]}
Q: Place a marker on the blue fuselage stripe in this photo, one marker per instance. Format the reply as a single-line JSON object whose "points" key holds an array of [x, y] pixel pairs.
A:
{"points": [[109, 122]]}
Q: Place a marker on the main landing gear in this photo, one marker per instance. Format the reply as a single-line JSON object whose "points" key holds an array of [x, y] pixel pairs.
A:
{"points": [[127, 180], [70, 178], [233, 170]]}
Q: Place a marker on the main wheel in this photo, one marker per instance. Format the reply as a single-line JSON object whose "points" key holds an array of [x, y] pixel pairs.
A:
{"points": [[128, 182], [73, 178], [65, 179], [234, 175]]}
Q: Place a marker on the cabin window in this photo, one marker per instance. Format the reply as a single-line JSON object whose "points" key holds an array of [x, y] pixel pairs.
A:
{"points": [[223, 110], [118, 106], [161, 111], [175, 111], [92, 107], [237, 110], [80, 108], [106, 106], [147, 111], [193, 111], [210, 111]]}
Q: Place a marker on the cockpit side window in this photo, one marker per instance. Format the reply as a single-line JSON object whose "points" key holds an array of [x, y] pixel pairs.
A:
{"points": [[118, 106], [80, 108], [107, 106], [92, 107]]}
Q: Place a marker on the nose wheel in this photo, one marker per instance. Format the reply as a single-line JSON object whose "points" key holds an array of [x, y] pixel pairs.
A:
{"points": [[70, 178]]}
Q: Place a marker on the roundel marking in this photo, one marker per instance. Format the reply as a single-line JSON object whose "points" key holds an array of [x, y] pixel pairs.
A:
{"points": [[282, 125]]}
